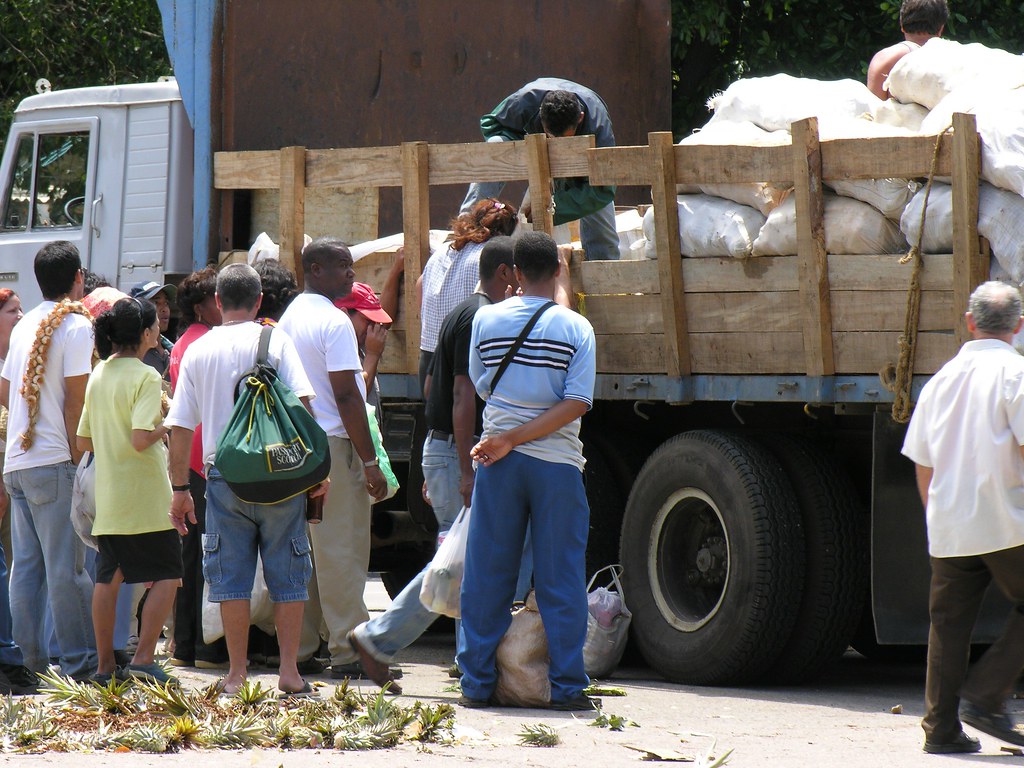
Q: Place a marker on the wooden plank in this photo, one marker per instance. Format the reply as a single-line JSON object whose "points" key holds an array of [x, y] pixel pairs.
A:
{"points": [[611, 277], [884, 272], [416, 225], [292, 206], [969, 268], [479, 161], [812, 259], [670, 266], [623, 314], [539, 175], [622, 354], [247, 170], [710, 164], [567, 156], [765, 273], [395, 359], [884, 157], [628, 166], [862, 352], [755, 352], [884, 310], [359, 167], [373, 269]]}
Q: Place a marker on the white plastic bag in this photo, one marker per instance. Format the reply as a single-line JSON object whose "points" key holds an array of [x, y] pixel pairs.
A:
{"points": [[851, 227], [608, 621], [710, 226], [83, 500], [938, 224], [261, 609], [442, 581]]}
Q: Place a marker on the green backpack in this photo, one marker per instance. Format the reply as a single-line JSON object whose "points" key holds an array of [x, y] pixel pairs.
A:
{"points": [[272, 448]]}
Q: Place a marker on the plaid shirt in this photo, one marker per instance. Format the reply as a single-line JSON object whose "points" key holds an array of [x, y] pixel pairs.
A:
{"points": [[449, 278]]}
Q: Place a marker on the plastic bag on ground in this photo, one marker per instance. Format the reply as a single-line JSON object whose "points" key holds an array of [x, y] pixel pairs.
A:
{"points": [[608, 622], [442, 581], [261, 609]]}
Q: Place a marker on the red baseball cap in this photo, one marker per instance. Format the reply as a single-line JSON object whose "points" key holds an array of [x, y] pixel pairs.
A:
{"points": [[364, 301]]}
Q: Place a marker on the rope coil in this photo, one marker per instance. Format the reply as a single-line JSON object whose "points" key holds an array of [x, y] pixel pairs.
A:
{"points": [[899, 378]]}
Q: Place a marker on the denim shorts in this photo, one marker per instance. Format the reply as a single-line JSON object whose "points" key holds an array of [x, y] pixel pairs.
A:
{"points": [[237, 530]]}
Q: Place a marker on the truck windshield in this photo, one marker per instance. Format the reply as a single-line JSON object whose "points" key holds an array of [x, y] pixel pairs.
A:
{"points": [[47, 187]]}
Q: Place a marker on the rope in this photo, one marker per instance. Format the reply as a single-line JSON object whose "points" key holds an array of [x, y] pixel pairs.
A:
{"points": [[899, 379]]}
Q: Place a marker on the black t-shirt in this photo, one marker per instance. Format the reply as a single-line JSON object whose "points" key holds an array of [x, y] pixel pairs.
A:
{"points": [[451, 359]]}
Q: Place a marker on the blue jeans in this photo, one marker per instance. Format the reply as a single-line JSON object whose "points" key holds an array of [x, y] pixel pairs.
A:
{"points": [[406, 618], [236, 530], [598, 237], [508, 494], [49, 565]]}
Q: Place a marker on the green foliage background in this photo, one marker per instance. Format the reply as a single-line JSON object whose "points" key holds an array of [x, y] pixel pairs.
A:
{"points": [[714, 42], [75, 43]]}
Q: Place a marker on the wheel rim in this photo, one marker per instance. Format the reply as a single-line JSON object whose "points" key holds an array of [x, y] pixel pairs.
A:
{"points": [[688, 559]]}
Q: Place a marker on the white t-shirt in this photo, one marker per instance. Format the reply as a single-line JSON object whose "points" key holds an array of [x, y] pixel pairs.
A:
{"points": [[209, 374], [326, 341], [968, 426], [70, 354]]}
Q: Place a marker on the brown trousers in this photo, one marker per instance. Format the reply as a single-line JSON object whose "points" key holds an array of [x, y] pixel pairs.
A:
{"points": [[957, 588]]}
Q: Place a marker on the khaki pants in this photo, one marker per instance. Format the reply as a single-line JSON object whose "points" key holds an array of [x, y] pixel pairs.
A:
{"points": [[341, 553], [957, 587]]}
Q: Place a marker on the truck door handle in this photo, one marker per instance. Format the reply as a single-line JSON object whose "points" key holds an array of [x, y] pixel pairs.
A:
{"points": [[92, 216]]}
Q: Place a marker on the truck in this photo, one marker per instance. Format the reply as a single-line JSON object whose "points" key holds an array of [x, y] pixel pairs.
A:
{"points": [[742, 460]]}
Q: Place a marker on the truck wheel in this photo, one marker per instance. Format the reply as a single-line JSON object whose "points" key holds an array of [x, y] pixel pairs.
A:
{"points": [[712, 553], [836, 557]]}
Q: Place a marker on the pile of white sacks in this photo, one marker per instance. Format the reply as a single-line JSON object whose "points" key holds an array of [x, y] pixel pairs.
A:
{"points": [[871, 216]]}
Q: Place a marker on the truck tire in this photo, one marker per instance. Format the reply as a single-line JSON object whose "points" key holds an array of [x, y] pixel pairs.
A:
{"points": [[712, 554], [836, 558]]}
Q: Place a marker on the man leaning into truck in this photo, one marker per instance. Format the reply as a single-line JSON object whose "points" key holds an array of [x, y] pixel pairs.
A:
{"points": [[966, 438], [558, 108]]}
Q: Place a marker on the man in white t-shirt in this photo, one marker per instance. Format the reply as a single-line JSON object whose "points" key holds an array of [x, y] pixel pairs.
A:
{"points": [[967, 439], [49, 558], [326, 343], [237, 530]]}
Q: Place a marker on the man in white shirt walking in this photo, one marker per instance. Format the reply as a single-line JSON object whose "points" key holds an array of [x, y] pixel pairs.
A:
{"points": [[966, 438]]}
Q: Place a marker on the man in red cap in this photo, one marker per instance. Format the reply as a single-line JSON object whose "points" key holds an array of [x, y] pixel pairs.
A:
{"points": [[369, 321]]}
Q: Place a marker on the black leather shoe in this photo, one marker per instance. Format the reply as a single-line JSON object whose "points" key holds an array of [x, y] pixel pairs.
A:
{"points": [[998, 724], [469, 703], [960, 745]]}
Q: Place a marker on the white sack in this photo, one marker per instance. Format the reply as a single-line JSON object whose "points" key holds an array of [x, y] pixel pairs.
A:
{"points": [[765, 196], [775, 102], [710, 226], [1001, 222], [938, 225], [900, 115], [850, 227], [939, 67]]}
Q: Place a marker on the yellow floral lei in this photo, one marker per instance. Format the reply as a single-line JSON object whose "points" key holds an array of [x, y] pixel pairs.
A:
{"points": [[33, 378]]}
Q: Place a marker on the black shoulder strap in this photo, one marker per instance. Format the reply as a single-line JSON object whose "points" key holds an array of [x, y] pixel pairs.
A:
{"points": [[262, 353], [506, 361]]}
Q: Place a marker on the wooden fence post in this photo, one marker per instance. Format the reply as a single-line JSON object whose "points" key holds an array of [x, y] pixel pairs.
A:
{"points": [[815, 295], [969, 268], [292, 209], [416, 225], [539, 174], [670, 260]]}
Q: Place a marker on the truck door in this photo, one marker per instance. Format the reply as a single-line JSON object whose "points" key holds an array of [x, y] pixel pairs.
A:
{"points": [[49, 193]]}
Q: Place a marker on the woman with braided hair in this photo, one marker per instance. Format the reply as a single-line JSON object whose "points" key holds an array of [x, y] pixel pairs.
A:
{"points": [[122, 424]]}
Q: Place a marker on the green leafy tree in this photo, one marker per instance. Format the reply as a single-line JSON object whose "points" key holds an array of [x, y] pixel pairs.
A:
{"points": [[717, 41], [73, 44]]}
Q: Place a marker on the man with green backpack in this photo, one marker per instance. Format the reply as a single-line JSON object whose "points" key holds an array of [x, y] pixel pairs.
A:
{"points": [[235, 529]]}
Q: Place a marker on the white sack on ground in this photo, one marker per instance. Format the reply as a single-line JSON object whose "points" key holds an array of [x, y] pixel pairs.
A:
{"points": [[776, 102], [939, 67], [850, 227], [710, 226], [938, 225], [765, 196]]}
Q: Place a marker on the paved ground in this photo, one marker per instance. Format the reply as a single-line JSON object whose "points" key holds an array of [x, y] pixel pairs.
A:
{"points": [[845, 719]]}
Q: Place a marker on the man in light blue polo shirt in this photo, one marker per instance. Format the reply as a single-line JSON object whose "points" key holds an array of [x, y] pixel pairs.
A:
{"points": [[529, 470]]}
